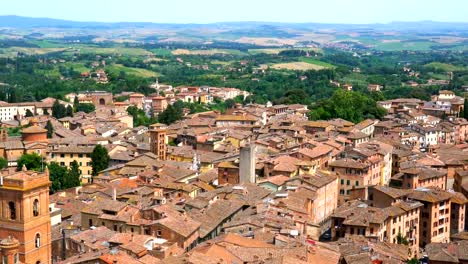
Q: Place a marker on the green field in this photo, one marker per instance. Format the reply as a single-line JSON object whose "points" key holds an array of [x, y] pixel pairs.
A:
{"points": [[12, 51], [117, 68], [445, 66], [47, 44], [413, 46], [317, 62], [162, 52], [207, 52], [116, 51], [355, 78]]}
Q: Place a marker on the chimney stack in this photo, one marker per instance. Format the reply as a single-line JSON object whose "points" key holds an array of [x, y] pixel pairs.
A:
{"points": [[114, 194]]}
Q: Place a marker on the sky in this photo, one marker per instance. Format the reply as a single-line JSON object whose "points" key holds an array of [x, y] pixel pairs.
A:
{"points": [[209, 11]]}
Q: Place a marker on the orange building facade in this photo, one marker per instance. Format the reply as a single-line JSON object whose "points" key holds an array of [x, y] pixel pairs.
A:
{"points": [[25, 218]]}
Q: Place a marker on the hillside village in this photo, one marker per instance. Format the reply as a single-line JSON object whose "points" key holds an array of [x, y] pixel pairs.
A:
{"points": [[254, 184]]}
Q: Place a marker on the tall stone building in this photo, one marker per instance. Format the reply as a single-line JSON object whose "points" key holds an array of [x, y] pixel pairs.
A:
{"points": [[247, 164], [25, 229], [158, 143]]}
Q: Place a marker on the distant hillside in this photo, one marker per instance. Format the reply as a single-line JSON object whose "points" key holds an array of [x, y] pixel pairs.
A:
{"points": [[28, 22]]}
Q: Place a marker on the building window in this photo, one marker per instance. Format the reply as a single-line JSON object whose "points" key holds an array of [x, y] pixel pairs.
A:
{"points": [[90, 222], [62, 155], [5, 260], [36, 207], [12, 207], [16, 258], [357, 183], [38, 241], [348, 182]]}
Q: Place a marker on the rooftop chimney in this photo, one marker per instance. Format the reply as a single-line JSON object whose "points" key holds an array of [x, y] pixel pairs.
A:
{"points": [[114, 194]]}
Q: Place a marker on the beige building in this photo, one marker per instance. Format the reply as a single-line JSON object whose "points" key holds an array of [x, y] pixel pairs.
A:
{"points": [[66, 155], [395, 224], [435, 215]]}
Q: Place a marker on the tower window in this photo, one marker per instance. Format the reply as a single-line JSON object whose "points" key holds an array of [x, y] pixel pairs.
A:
{"points": [[37, 241], [36, 207], [12, 208]]}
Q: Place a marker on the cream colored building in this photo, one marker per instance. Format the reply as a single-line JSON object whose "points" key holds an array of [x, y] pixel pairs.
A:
{"points": [[66, 155]]}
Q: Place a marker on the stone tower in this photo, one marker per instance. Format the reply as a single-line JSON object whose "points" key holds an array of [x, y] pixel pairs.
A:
{"points": [[25, 217], [247, 164], [158, 143]]}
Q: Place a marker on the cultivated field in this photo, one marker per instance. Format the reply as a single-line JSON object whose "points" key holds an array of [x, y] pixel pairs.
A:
{"points": [[117, 68], [297, 66], [208, 52]]}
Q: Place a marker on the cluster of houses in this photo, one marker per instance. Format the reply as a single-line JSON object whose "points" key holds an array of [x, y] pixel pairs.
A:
{"points": [[257, 184]]}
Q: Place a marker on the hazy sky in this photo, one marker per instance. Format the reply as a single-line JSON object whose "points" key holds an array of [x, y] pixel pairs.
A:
{"points": [[206, 11]]}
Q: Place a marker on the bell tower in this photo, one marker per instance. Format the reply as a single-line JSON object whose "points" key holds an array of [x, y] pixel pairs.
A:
{"points": [[25, 217]]}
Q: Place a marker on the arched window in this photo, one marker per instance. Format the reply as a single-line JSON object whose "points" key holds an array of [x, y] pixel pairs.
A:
{"points": [[37, 241], [36, 207], [12, 207]]}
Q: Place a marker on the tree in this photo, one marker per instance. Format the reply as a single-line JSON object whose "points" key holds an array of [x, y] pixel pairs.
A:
{"points": [[122, 98], [58, 110], [464, 113], [56, 175], [63, 178], [29, 113], [69, 111], [73, 177], [139, 117], [76, 102], [401, 239], [50, 129], [171, 114], [99, 159], [351, 106], [85, 107], [32, 161], [3, 163], [229, 103]]}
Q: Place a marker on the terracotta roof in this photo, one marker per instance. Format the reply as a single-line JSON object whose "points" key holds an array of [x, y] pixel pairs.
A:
{"points": [[430, 195]]}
